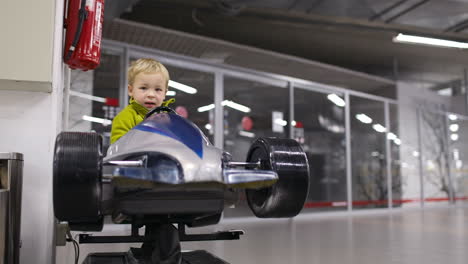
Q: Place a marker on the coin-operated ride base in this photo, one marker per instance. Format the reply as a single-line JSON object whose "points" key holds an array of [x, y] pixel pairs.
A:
{"points": [[161, 244], [165, 173]]}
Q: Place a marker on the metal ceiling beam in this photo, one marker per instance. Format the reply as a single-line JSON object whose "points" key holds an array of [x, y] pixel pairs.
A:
{"points": [[409, 9], [458, 27], [457, 83], [388, 9], [299, 19]]}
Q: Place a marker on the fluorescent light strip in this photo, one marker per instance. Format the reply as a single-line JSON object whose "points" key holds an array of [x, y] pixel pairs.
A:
{"points": [[454, 127], [228, 103], [379, 128], [88, 96], [97, 120], [430, 41], [246, 134], [364, 118], [454, 137], [205, 108], [336, 100], [236, 106], [397, 141], [391, 136], [182, 87], [171, 93], [452, 117], [281, 122]]}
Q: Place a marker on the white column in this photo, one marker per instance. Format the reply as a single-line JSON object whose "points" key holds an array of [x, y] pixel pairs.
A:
{"points": [[30, 111]]}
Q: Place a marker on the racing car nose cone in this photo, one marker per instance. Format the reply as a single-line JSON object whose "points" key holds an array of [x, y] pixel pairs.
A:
{"points": [[176, 127]]}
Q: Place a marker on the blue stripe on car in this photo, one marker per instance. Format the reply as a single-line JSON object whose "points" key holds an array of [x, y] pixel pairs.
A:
{"points": [[176, 127]]}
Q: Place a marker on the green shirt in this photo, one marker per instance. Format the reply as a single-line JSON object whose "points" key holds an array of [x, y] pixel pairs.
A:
{"points": [[128, 118]]}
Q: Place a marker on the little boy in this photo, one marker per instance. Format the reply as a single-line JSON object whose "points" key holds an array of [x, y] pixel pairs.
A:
{"points": [[148, 81]]}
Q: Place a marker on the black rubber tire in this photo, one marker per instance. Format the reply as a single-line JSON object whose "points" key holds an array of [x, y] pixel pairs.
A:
{"points": [[77, 174], [287, 196]]}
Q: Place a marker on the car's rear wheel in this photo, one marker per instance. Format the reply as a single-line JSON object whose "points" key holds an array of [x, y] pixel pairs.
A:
{"points": [[77, 174], [287, 196]]}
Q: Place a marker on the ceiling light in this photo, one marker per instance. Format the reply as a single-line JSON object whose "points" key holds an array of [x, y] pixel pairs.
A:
{"points": [[208, 126], [236, 106], [445, 92], [391, 136], [364, 118], [336, 100], [416, 153], [228, 103], [205, 108], [379, 128], [103, 121], [453, 117], [246, 134], [182, 87], [281, 122], [454, 137], [88, 96], [430, 41], [397, 141], [454, 127], [170, 93]]}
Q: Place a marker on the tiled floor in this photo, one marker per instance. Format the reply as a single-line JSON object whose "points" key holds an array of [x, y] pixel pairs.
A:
{"points": [[430, 236]]}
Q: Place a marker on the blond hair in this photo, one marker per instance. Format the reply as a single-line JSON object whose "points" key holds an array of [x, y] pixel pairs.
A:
{"points": [[146, 65]]}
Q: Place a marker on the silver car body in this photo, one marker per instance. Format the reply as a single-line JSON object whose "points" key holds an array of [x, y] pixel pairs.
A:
{"points": [[174, 136]]}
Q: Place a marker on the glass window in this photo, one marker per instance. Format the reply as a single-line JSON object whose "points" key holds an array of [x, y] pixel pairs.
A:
{"points": [[368, 133], [458, 138], [81, 84], [266, 116], [320, 127], [94, 97], [410, 153], [435, 156], [187, 104]]}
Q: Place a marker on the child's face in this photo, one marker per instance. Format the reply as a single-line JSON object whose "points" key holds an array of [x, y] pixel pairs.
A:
{"points": [[148, 89]]}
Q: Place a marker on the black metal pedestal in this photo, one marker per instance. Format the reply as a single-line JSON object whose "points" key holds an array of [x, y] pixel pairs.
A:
{"points": [[161, 245], [191, 257]]}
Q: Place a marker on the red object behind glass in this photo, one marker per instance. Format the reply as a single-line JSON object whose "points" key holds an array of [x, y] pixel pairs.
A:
{"points": [[247, 123], [182, 111]]}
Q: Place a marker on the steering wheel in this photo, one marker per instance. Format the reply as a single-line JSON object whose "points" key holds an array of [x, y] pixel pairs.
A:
{"points": [[159, 110]]}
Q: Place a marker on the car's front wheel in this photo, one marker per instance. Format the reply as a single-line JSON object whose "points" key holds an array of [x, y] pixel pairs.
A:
{"points": [[287, 196]]}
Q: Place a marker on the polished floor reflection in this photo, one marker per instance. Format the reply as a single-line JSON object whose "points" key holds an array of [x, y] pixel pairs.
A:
{"points": [[436, 235]]}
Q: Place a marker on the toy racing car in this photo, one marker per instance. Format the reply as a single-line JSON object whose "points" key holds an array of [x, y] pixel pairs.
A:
{"points": [[165, 171]]}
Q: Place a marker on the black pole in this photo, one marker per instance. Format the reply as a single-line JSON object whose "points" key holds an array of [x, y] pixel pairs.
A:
{"points": [[409, 9], [458, 27], [386, 10]]}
